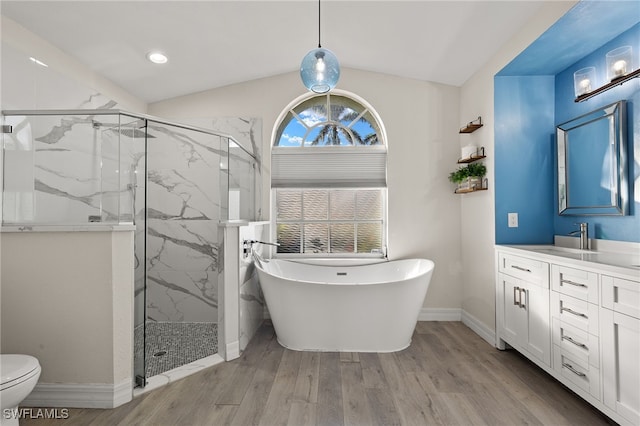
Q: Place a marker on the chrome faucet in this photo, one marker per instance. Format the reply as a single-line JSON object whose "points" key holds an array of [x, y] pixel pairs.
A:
{"points": [[584, 235], [247, 244]]}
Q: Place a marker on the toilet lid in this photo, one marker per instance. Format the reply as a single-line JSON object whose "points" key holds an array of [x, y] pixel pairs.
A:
{"points": [[13, 367]]}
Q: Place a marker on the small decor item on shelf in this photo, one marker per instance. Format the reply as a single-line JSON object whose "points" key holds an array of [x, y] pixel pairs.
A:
{"points": [[470, 153], [469, 177], [472, 126]]}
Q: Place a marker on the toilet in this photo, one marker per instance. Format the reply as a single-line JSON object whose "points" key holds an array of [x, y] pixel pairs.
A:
{"points": [[18, 376]]}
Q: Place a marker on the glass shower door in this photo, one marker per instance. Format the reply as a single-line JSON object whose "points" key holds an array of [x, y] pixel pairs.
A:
{"points": [[133, 134]]}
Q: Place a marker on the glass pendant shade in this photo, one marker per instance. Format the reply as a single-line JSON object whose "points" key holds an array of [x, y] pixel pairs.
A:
{"points": [[320, 70]]}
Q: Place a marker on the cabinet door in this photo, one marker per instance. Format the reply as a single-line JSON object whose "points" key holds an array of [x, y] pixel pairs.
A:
{"points": [[620, 337], [538, 330], [510, 317], [523, 317]]}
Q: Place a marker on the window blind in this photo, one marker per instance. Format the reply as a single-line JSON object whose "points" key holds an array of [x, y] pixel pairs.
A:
{"points": [[337, 167]]}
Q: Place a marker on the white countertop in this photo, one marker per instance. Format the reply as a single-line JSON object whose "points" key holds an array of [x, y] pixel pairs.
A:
{"points": [[627, 264]]}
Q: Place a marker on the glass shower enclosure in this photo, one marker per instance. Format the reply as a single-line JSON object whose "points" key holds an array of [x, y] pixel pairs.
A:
{"points": [[174, 182]]}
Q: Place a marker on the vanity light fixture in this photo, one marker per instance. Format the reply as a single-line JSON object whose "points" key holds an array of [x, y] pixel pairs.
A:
{"points": [[618, 62], [619, 70], [157, 57], [320, 69], [583, 80]]}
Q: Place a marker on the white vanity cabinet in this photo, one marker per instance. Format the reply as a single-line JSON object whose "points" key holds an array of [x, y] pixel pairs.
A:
{"points": [[575, 324], [620, 331], [523, 309], [577, 317]]}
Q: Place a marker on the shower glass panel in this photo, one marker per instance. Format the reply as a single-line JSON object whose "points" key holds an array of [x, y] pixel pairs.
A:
{"points": [[134, 131], [92, 167], [62, 169], [238, 173], [182, 248]]}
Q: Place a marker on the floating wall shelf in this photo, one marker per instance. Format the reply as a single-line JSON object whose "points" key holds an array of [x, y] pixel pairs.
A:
{"points": [[465, 191], [472, 126], [606, 87], [471, 159]]}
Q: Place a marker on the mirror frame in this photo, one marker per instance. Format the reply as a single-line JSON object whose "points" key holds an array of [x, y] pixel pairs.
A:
{"points": [[617, 137]]}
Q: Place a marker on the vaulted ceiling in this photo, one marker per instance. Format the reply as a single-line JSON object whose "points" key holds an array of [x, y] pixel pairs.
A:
{"points": [[216, 43]]}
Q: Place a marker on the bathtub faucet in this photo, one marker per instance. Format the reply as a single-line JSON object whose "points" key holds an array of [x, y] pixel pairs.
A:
{"points": [[247, 244]]}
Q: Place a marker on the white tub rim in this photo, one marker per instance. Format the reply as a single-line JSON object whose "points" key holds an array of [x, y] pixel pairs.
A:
{"points": [[430, 266]]}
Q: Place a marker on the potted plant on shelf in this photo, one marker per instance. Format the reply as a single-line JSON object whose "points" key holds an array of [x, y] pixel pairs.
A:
{"points": [[469, 177]]}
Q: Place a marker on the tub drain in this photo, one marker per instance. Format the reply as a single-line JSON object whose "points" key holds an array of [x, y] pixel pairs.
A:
{"points": [[160, 353]]}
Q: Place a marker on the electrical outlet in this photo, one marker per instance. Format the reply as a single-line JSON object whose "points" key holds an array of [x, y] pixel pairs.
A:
{"points": [[513, 220]]}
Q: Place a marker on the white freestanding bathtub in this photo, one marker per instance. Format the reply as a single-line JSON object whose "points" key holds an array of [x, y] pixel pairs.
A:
{"points": [[365, 308]]}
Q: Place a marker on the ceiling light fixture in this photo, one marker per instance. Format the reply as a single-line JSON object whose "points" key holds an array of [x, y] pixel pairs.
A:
{"points": [[320, 69], [157, 57], [36, 61]]}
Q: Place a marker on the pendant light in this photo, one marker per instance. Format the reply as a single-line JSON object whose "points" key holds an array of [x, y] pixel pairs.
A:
{"points": [[320, 69]]}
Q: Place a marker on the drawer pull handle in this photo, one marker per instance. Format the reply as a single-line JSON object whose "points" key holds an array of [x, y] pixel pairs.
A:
{"points": [[573, 283], [570, 340], [571, 311], [573, 370], [519, 268]]}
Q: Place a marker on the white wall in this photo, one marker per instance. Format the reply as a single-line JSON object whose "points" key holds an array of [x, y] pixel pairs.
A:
{"points": [[67, 299], [422, 125], [65, 84], [477, 214]]}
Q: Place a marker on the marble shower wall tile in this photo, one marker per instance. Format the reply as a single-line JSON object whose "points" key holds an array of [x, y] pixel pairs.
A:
{"points": [[183, 210], [252, 304], [63, 169], [189, 245], [182, 296], [244, 174], [184, 194]]}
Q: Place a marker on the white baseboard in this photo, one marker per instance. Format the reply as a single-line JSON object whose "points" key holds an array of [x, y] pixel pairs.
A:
{"points": [[80, 395], [479, 328], [232, 350], [454, 314], [440, 314]]}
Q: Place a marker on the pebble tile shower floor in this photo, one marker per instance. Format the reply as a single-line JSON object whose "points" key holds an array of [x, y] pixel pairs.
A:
{"points": [[174, 344]]}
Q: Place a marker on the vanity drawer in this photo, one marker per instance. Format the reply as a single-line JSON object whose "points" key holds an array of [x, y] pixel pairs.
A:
{"points": [[575, 282], [621, 295], [578, 342], [576, 371], [578, 313], [529, 270]]}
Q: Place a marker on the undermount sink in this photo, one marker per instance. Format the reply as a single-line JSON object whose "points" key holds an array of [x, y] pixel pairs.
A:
{"points": [[602, 257], [558, 249]]}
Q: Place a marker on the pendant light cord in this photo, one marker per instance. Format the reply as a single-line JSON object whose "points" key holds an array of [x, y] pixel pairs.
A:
{"points": [[319, 46]]}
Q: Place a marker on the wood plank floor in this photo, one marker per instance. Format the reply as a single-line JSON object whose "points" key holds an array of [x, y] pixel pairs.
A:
{"points": [[448, 376]]}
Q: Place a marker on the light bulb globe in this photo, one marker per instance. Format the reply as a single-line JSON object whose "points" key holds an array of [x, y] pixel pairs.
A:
{"points": [[320, 78]]}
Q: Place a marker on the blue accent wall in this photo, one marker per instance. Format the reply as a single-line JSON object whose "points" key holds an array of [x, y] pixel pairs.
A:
{"points": [[621, 228], [524, 164], [527, 109]]}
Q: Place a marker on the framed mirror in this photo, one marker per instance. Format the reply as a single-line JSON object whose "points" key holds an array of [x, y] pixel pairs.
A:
{"points": [[592, 163]]}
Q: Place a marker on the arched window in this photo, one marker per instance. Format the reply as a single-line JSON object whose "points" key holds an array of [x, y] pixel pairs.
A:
{"points": [[328, 164]]}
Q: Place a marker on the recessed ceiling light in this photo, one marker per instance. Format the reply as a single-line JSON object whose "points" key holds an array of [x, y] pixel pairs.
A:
{"points": [[157, 57], [32, 59]]}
